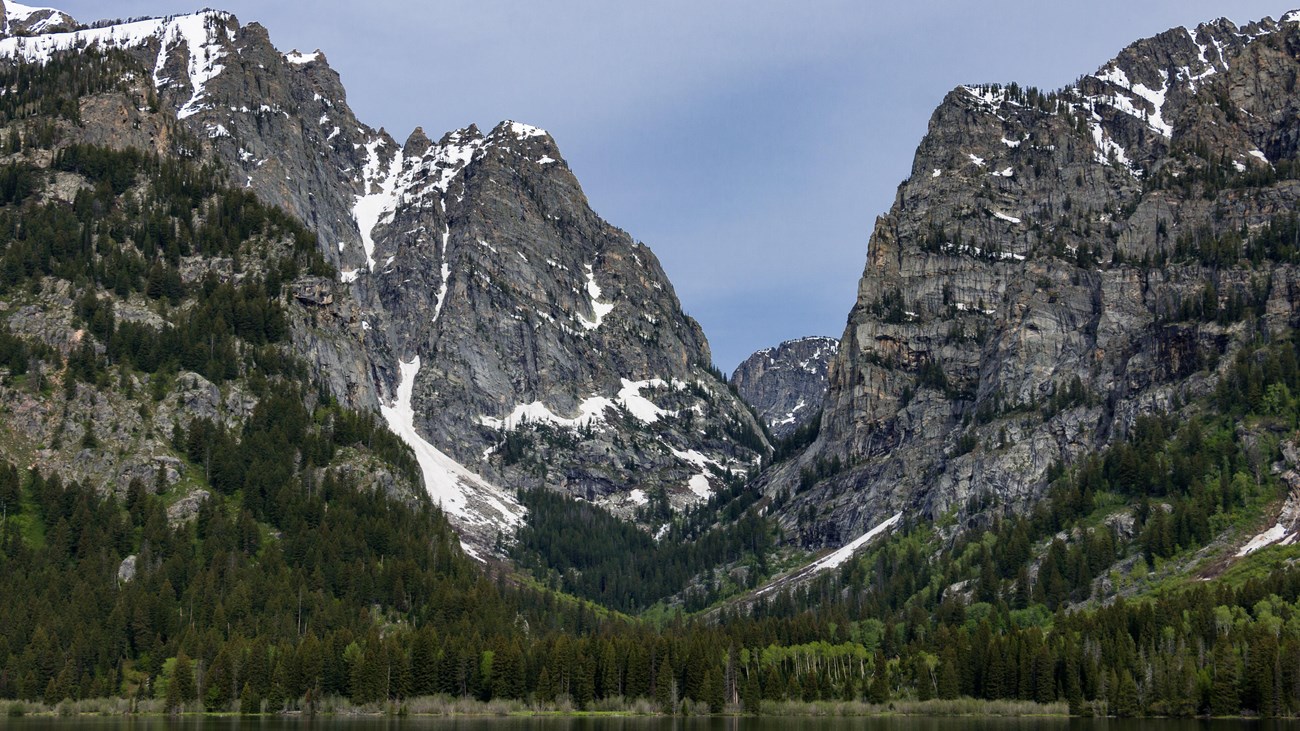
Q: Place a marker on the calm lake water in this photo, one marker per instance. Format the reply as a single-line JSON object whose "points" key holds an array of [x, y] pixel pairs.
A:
{"points": [[630, 724]]}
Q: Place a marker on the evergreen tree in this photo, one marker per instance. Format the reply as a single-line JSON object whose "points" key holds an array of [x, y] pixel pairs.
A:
{"points": [[878, 691], [181, 689], [1224, 697]]}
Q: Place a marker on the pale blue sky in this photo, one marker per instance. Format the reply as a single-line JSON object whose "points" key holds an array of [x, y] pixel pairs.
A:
{"points": [[750, 143]]}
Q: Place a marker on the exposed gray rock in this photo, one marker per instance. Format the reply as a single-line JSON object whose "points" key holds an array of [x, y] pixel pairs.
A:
{"points": [[187, 508], [786, 384], [126, 569], [1034, 289]]}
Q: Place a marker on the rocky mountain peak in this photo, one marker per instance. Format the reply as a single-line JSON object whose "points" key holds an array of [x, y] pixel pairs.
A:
{"points": [[507, 333], [786, 384]]}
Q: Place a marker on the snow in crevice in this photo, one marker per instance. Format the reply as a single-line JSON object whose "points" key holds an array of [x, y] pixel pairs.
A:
{"points": [[379, 199], [205, 54], [1156, 98], [446, 274], [599, 309], [467, 498], [834, 559]]}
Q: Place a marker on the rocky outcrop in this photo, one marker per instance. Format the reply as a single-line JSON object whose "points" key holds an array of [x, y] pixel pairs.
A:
{"points": [[786, 384], [1055, 266]]}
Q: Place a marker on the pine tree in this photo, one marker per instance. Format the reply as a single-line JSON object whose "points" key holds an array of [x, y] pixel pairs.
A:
{"points": [[180, 686], [1224, 697], [666, 688], [878, 691], [949, 679], [751, 697], [250, 701], [217, 690], [1126, 697], [714, 689]]}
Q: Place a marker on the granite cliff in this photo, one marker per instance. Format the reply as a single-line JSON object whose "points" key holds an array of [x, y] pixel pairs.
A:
{"points": [[1055, 266]]}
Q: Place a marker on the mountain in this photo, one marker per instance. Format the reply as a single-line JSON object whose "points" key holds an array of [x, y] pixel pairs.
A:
{"points": [[249, 347], [786, 383], [1058, 267], [510, 336]]}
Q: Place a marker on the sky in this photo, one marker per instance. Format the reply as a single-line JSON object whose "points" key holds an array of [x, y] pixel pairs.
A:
{"points": [[750, 143]]}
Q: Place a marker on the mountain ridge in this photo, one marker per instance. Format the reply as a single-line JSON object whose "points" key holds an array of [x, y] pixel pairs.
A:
{"points": [[477, 257], [1023, 251]]}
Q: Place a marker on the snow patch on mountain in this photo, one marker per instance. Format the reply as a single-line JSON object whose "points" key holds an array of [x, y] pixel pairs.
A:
{"points": [[1156, 98], [379, 199], [524, 131], [599, 309], [699, 484], [832, 560], [467, 498], [1275, 535], [16, 13], [299, 59], [592, 410]]}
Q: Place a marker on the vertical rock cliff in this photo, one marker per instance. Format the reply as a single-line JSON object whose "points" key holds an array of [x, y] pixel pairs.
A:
{"points": [[1056, 265]]}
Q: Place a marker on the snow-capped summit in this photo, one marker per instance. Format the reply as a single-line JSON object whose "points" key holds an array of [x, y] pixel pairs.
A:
{"points": [[24, 20]]}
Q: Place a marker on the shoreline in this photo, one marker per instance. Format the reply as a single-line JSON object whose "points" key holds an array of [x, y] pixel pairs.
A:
{"points": [[436, 707]]}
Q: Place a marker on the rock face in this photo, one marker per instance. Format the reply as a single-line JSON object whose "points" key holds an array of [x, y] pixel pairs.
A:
{"points": [[786, 384], [510, 335], [1055, 266]]}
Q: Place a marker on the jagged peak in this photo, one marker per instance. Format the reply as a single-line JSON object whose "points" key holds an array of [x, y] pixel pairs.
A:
{"points": [[1138, 82], [417, 143], [461, 136]]}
